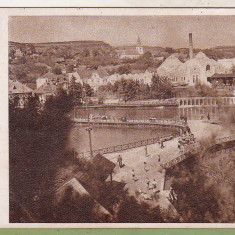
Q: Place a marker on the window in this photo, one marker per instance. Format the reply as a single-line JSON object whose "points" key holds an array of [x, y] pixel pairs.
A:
{"points": [[208, 67]]}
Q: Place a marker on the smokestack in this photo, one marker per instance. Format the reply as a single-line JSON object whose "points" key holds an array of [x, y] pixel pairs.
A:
{"points": [[190, 45]]}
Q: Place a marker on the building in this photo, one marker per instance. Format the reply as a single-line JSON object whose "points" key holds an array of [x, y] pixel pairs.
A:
{"points": [[132, 52], [224, 83], [194, 70], [19, 91], [45, 91], [143, 77], [48, 77]]}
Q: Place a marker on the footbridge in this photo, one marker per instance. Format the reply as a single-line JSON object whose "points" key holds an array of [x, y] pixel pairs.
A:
{"points": [[195, 148]]}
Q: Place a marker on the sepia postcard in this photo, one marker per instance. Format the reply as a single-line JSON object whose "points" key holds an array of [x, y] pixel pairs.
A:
{"points": [[118, 118]]}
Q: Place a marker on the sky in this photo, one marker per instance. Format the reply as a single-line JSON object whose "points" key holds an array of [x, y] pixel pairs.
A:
{"points": [[164, 31]]}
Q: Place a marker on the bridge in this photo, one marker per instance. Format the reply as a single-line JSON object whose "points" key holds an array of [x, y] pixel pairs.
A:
{"points": [[177, 124], [194, 148], [123, 147]]}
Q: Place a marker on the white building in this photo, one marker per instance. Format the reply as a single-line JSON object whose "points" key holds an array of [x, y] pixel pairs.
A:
{"points": [[194, 70]]}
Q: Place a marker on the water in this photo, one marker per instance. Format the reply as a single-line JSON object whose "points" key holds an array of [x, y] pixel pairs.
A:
{"points": [[111, 136]]}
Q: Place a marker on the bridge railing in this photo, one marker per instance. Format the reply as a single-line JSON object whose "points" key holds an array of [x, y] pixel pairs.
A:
{"points": [[145, 102], [123, 147], [130, 120], [194, 148]]}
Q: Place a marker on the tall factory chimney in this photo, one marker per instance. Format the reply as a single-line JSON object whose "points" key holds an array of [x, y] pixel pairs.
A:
{"points": [[190, 46]]}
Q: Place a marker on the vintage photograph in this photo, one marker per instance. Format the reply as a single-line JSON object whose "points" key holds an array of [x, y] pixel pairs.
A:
{"points": [[121, 119]]}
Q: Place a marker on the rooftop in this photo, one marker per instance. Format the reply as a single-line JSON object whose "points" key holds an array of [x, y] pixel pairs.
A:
{"points": [[46, 88], [16, 87]]}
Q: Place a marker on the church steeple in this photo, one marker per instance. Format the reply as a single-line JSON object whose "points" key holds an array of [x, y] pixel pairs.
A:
{"points": [[139, 47]]}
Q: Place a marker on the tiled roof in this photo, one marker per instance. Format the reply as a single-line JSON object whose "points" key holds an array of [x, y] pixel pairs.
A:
{"points": [[16, 87], [102, 166], [31, 85], [223, 75], [84, 74], [49, 75], [131, 52], [102, 73], [46, 88]]}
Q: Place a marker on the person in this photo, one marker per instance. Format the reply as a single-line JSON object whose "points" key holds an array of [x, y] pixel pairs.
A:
{"points": [[161, 143], [159, 158], [146, 151], [146, 197], [133, 175], [208, 116], [147, 182], [154, 184], [145, 167], [119, 160]]}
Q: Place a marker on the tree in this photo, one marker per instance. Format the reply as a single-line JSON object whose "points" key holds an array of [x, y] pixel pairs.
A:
{"points": [[204, 188], [160, 88], [124, 69], [57, 69], [145, 61], [37, 141], [88, 89], [75, 91]]}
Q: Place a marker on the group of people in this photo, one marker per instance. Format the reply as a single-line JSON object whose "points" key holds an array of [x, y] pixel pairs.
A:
{"points": [[152, 186]]}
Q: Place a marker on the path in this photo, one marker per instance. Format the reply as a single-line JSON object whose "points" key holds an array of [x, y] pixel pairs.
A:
{"points": [[135, 158]]}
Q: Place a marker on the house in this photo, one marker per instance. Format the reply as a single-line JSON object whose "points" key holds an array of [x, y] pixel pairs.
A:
{"points": [[45, 91], [95, 78], [20, 91], [48, 77], [224, 83], [60, 60], [75, 76], [18, 53], [139, 76], [74, 189]]}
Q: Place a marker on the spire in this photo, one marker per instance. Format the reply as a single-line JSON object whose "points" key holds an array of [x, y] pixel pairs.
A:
{"points": [[138, 41]]}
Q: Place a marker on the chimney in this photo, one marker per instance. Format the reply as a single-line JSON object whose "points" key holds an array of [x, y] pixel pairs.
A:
{"points": [[190, 46]]}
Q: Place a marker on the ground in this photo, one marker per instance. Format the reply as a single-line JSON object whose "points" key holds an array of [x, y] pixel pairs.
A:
{"points": [[135, 158]]}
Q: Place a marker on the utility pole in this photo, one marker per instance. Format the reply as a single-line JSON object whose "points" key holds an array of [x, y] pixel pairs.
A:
{"points": [[88, 129]]}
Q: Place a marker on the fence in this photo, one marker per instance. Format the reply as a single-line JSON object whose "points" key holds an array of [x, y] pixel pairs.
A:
{"points": [[125, 121], [123, 147], [194, 148], [165, 102]]}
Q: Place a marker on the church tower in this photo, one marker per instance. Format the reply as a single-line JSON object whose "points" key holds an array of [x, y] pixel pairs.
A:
{"points": [[139, 47]]}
